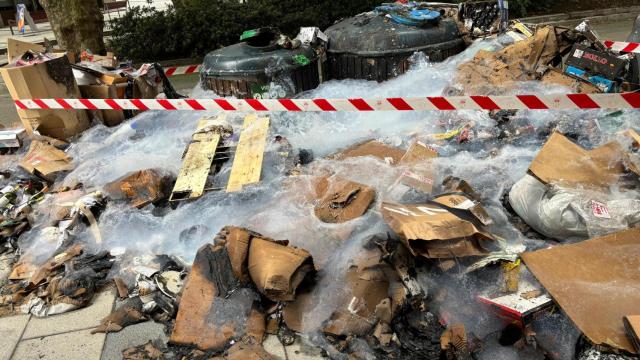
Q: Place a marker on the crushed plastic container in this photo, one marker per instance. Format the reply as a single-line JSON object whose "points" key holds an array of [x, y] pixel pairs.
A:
{"points": [[377, 45], [261, 67]]}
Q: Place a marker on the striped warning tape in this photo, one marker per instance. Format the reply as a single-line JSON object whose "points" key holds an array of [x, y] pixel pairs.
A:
{"points": [[624, 47], [182, 70], [515, 102]]}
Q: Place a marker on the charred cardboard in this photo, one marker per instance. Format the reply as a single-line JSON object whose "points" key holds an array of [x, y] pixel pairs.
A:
{"points": [[370, 282], [595, 282], [275, 268], [210, 278], [45, 160], [373, 294], [52, 79], [342, 200], [632, 326], [562, 162], [454, 342], [140, 188], [433, 231], [374, 148]]}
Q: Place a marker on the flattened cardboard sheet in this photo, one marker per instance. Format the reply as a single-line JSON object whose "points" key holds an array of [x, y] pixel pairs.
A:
{"points": [[45, 160], [596, 282], [562, 162], [434, 232]]}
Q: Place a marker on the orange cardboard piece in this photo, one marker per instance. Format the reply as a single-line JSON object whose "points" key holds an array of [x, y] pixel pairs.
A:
{"points": [[562, 162], [434, 232], [369, 281], [278, 270], [377, 149], [294, 311], [45, 160], [418, 152], [342, 200], [421, 174], [595, 282], [632, 327], [141, 188]]}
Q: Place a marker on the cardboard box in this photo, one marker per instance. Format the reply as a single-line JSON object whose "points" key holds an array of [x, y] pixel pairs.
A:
{"points": [[17, 48], [108, 117], [37, 82]]}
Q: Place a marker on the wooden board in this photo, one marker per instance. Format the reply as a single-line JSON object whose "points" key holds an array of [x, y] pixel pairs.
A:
{"points": [[247, 165], [197, 161]]}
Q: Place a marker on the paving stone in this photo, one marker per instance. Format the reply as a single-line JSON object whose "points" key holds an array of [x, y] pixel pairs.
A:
{"points": [[11, 329], [274, 347], [77, 345], [301, 351], [75, 320], [133, 335]]}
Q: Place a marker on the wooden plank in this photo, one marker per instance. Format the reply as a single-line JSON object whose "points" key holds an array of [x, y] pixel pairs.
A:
{"points": [[197, 161], [247, 165]]}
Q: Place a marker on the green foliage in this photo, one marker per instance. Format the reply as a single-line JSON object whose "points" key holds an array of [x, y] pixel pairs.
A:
{"points": [[199, 26]]}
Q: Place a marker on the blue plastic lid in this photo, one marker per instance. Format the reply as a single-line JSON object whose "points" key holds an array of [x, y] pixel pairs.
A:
{"points": [[424, 14]]}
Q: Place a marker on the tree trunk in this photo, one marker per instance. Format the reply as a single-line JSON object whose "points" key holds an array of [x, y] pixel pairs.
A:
{"points": [[77, 24]]}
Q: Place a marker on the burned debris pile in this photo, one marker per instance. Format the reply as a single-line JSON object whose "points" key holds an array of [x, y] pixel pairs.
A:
{"points": [[448, 235]]}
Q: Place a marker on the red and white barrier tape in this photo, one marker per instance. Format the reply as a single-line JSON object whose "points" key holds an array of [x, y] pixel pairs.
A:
{"points": [[515, 102], [182, 70], [624, 47]]}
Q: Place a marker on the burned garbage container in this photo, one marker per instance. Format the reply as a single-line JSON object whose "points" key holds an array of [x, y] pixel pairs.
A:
{"points": [[266, 64], [377, 45]]}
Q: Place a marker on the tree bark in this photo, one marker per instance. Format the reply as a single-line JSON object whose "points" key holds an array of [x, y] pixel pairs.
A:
{"points": [[77, 24]]}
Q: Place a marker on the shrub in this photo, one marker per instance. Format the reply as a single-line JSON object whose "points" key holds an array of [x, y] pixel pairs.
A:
{"points": [[200, 26]]}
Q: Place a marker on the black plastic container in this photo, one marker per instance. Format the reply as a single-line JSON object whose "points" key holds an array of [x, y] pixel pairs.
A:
{"points": [[260, 68], [373, 47]]}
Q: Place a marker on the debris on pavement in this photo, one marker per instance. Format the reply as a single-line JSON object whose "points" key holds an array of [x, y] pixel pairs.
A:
{"points": [[218, 288], [452, 235]]}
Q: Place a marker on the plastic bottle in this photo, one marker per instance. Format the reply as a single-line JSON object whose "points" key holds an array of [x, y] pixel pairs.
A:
{"points": [[8, 195]]}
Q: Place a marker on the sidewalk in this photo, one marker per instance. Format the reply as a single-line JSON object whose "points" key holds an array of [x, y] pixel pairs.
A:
{"points": [[67, 336]]}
